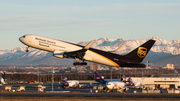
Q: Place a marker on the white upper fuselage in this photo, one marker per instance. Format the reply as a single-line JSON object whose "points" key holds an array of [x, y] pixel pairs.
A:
{"points": [[73, 83], [53, 45], [47, 44], [115, 85], [137, 83]]}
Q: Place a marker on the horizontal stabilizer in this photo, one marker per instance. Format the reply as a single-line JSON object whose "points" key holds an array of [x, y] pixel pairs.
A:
{"points": [[89, 45]]}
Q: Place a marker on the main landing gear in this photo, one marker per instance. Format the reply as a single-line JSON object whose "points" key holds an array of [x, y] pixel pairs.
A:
{"points": [[27, 48], [79, 63]]}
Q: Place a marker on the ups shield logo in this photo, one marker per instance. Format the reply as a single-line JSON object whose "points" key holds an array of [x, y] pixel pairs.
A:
{"points": [[142, 52]]}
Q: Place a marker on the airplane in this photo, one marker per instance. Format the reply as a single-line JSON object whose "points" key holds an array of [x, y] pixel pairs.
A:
{"points": [[101, 79], [2, 79], [62, 49], [110, 83], [134, 84], [115, 85], [130, 83], [123, 79], [69, 83]]}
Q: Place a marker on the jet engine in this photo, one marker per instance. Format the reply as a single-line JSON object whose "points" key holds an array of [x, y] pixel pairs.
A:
{"points": [[58, 53], [102, 77], [123, 79]]}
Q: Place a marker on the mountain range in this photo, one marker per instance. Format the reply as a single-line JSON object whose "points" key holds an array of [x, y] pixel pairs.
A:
{"points": [[162, 53]]}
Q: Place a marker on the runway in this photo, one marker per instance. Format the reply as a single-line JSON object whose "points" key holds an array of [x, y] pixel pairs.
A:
{"points": [[87, 95], [80, 93]]}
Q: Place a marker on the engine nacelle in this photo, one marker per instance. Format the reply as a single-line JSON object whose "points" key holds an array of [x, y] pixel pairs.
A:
{"points": [[58, 53], [123, 79], [102, 77], [2, 81]]}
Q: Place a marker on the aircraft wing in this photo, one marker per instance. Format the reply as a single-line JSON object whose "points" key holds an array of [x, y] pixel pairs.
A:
{"points": [[79, 54], [75, 54]]}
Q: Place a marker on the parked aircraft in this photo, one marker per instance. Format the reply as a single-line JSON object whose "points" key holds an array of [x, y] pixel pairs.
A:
{"points": [[2, 79], [110, 83], [134, 84], [115, 85], [69, 83], [130, 83], [62, 49], [101, 79]]}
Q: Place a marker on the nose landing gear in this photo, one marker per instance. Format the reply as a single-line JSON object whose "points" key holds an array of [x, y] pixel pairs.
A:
{"points": [[27, 48]]}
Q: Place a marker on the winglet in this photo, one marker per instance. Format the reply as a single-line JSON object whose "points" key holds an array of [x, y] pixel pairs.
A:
{"points": [[116, 51], [89, 45]]}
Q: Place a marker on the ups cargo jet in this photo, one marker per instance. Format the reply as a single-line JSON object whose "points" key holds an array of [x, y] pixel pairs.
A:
{"points": [[62, 49]]}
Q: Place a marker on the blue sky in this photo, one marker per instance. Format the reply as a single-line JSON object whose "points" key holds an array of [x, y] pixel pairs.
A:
{"points": [[85, 20]]}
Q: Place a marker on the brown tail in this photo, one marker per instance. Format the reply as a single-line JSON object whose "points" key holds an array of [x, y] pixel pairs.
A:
{"points": [[140, 53]]}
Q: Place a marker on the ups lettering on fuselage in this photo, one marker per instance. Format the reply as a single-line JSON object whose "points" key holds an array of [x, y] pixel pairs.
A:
{"points": [[40, 39], [47, 43]]}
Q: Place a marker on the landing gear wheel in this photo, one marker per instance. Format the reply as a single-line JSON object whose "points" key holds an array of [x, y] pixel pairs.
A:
{"points": [[64, 87], [74, 64], [79, 63], [84, 63], [104, 89]]}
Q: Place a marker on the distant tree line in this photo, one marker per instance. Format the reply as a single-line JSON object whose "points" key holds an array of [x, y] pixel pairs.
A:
{"points": [[57, 77], [74, 76]]}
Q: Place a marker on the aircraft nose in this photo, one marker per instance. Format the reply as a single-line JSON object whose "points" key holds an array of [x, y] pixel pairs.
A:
{"points": [[108, 86], [22, 38]]}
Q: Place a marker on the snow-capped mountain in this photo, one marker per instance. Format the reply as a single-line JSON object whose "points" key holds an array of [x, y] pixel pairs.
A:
{"points": [[161, 53]]}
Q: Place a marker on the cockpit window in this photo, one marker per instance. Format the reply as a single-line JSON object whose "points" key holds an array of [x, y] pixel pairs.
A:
{"points": [[24, 36]]}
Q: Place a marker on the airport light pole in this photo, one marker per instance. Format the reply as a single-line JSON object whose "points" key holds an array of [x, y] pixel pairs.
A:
{"points": [[111, 74], [38, 74], [52, 77], [120, 74]]}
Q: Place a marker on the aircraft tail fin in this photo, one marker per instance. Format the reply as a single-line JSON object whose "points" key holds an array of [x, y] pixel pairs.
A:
{"points": [[3, 75], [63, 77], [140, 53], [97, 76], [123, 79], [129, 79]]}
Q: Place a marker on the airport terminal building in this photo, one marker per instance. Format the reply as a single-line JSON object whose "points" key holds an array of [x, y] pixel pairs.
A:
{"points": [[163, 80]]}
